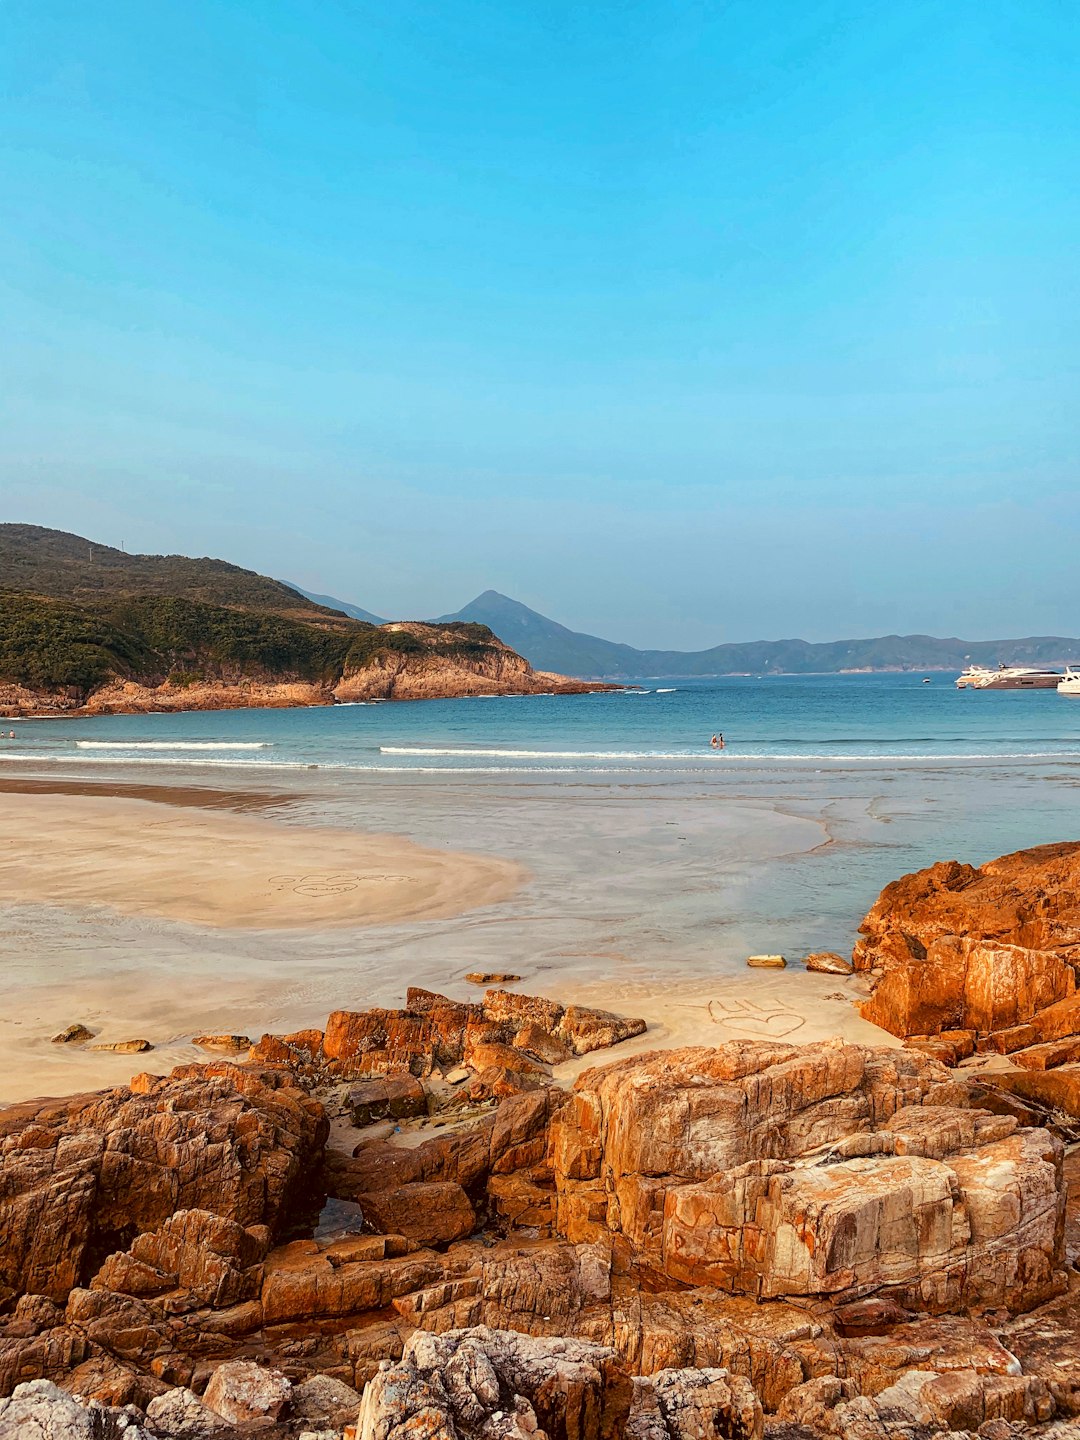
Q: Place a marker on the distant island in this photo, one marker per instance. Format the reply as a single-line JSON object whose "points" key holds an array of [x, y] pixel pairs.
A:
{"points": [[88, 629]]}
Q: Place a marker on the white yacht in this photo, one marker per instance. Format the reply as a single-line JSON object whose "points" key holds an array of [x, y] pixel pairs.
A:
{"points": [[972, 676], [1009, 677], [1070, 685]]}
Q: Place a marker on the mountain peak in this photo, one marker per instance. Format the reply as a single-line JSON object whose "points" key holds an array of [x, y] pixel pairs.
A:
{"points": [[495, 597]]}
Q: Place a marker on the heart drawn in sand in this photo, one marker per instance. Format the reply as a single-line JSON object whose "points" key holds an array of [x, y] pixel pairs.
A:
{"points": [[769, 1022], [331, 882]]}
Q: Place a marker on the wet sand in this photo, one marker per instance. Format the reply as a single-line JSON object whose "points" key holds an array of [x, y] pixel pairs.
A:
{"points": [[139, 857], [188, 797]]}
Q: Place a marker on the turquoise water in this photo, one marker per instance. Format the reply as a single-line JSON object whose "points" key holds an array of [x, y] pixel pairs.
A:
{"points": [[823, 723]]}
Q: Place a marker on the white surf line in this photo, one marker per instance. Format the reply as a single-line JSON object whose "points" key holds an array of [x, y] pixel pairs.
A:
{"points": [[504, 754], [173, 744]]}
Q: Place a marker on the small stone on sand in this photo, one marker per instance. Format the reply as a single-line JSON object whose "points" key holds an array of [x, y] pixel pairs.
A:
{"points": [[491, 977], [457, 1075], [125, 1047], [228, 1044], [827, 962], [766, 962], [73, 1035]]}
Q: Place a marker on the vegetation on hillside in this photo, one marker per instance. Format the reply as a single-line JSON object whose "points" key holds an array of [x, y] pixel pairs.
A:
{"points": [[468, 642], [54, 645], [67, 567]]}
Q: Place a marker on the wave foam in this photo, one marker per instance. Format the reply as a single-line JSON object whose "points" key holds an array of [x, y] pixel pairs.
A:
{"points": [[173, 744], [447, 752]]}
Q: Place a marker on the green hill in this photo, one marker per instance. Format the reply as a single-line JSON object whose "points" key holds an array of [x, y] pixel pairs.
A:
{"points": [[50, 645], [67, 567]]}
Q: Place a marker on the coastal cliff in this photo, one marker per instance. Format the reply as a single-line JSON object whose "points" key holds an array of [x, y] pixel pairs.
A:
{"points": [[85, 630]]}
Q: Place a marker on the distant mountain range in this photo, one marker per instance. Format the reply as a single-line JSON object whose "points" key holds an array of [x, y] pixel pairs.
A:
{"points": [[550, 646]]}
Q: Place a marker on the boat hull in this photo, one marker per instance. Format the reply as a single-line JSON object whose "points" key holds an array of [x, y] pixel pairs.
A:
{"points": [[1018, 682]]}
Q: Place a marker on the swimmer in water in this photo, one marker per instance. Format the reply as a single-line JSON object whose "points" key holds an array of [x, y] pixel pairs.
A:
{"points": [[717, 742]]}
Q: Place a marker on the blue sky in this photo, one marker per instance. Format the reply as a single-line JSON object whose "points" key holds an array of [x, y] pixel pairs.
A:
{"points": [[681, 322]]}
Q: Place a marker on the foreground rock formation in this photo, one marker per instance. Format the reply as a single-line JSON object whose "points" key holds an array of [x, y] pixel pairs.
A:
{"points": [[401, 1223], [506, 1031], [862, 1170], [482, 1382]]}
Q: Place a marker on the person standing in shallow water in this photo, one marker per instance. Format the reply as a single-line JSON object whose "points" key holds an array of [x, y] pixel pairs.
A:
{"points": [[717, 742]]}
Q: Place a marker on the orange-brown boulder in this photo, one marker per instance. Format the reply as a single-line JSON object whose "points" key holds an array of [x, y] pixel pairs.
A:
{"points": [[950, 1046], [966, 984], [196, 1257], [1029, 898], [1050, 1054], [503, 1057], [304, 1281], [79, 1178], [427, 1212], [954, 947], [396, 1097], [1058, 1088], [433, 1030]]}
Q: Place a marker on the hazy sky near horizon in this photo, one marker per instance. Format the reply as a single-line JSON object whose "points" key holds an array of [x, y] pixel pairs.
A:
{"points": [[681, 322]]}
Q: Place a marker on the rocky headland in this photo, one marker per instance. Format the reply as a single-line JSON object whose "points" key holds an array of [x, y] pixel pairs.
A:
{"points": [[406, 661], [401, 1225]]}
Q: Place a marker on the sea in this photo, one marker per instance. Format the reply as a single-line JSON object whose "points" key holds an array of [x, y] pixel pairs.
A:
{"points": [[650, 856], [651, 728]]}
